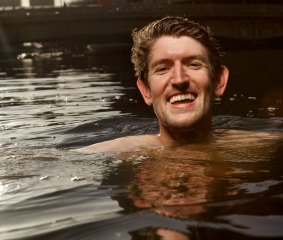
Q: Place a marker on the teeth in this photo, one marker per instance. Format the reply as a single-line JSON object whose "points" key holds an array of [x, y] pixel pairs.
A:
{"points": [[178, 98]]}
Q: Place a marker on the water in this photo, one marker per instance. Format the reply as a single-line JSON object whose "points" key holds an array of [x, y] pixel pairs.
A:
{"points": [[231, 188]]}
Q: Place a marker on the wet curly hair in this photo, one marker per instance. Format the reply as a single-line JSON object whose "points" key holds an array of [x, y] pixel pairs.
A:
{"points": [[175, 26]]}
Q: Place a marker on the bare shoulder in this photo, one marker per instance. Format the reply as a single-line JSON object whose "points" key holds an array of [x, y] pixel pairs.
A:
{"points": [[123, 144], [246, 137]]}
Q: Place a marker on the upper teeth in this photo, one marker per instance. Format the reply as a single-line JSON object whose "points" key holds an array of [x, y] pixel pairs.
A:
{"points": [[176, 98]]}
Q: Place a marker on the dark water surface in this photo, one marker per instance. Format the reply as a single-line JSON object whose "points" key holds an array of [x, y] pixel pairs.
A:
{"points": [[229, 189]]}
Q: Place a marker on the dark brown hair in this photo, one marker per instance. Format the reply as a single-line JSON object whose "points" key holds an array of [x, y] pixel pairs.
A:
{"points": [[144, 39]]}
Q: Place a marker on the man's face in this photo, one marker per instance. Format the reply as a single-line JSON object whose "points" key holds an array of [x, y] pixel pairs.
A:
{"points": [[179, 84]]}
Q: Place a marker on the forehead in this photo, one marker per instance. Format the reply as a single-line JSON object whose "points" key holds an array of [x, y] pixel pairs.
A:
{"points": [[176, 47]]}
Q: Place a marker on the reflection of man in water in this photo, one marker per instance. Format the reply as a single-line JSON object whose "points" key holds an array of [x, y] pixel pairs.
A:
{"points": [[179, 71]]}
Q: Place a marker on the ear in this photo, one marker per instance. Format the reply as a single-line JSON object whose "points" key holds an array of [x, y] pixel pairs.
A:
{"points": [[221, 84], [145, 91]]}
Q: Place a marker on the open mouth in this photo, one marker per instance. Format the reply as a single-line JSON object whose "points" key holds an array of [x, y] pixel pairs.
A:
{"points": [[182, 98]]}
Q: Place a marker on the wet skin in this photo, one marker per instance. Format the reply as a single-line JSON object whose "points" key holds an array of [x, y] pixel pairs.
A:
{"points": [[180, 88]]}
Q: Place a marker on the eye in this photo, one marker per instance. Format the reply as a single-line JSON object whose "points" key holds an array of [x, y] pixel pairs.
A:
{"points": [[161, 69], [195, 65]]}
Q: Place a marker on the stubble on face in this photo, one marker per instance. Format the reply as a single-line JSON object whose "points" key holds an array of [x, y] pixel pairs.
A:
{"points": [[180, 85]]}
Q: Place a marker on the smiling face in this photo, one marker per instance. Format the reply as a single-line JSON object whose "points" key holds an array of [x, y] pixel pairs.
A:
{"points": [[179, 85]]}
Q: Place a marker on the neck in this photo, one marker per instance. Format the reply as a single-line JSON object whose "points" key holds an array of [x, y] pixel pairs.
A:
{"points": [[170, 137]]}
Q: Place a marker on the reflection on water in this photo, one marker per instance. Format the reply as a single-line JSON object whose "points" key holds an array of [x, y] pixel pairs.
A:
{"points": [[228, 188], [231, 187]]}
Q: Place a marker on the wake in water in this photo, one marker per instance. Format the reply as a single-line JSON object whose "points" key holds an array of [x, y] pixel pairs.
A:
{"points": [[108, 129]]}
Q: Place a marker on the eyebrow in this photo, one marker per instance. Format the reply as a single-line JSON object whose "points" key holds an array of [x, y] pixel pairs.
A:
{"points": [[189, 58]]}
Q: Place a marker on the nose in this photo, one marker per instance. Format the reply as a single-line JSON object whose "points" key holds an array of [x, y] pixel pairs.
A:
{"points": [[180, 78]]}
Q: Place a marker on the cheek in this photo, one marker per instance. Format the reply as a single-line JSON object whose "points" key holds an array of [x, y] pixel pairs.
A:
{"points": [[207, 93], [204, 83], [156, 87]]}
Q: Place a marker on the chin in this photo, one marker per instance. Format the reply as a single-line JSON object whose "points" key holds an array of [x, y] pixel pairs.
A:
{"points": [[190, 123], [182, 124]]}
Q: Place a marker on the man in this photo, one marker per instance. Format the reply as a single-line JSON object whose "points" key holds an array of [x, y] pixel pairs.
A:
{"points": [[179, 71]]}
